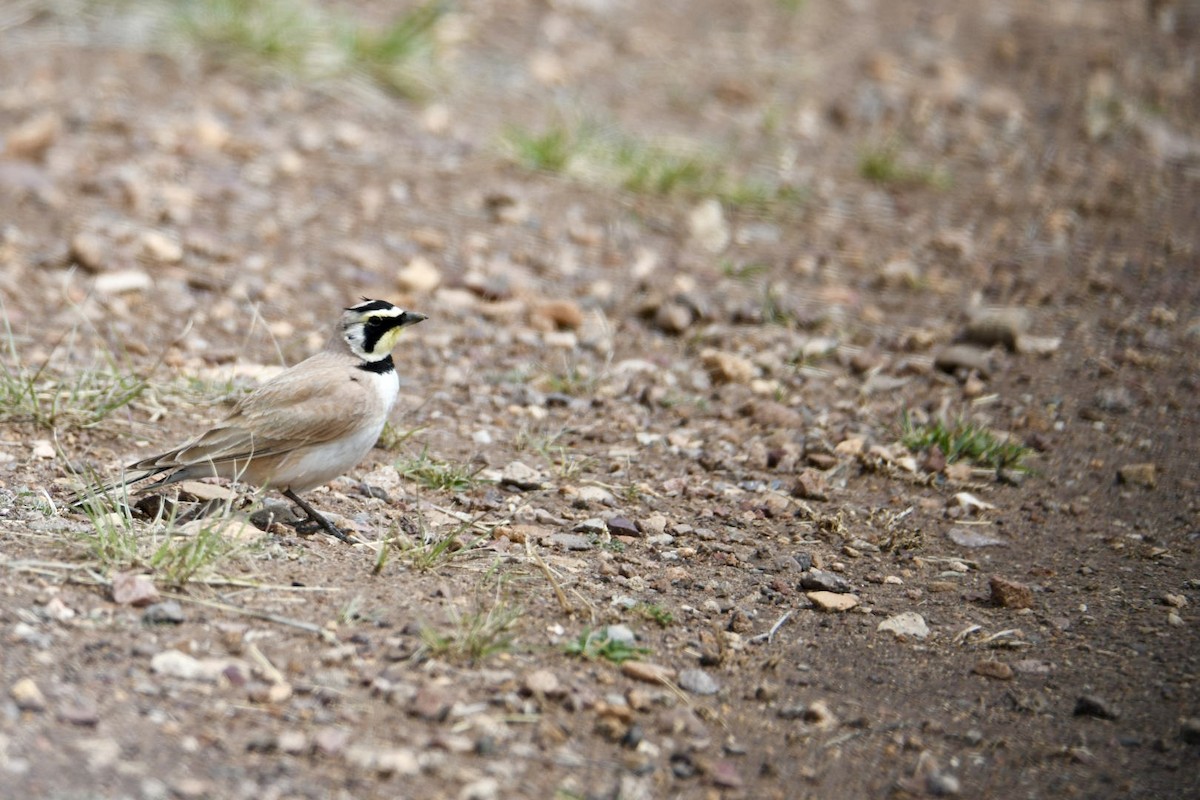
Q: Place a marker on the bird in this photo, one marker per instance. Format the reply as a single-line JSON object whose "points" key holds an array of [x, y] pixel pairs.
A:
{"points": [[306, 426]]}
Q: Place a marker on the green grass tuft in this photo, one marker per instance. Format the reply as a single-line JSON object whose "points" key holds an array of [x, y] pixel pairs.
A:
{"points": [[434, 474], [473, 636], [655, 612], [50, 399], [594, 155], [308, 39], [965, 441], [595, 644], [883, 165], [180, 559]]}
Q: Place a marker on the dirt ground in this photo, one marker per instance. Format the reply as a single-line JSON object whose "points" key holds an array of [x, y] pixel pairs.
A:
{"points": [[641, 415]]}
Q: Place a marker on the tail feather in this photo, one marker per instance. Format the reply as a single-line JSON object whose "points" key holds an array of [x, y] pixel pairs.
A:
{"points": [[94, 492]]}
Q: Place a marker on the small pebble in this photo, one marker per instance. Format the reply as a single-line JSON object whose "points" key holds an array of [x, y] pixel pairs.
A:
{"points": [[697, 681], [26, 694], [996, 670], [169, 612], [831, 601], [817, 580], [1010, 594], [1144, 475], [1090, 705], [908, 624], [621, 526]]}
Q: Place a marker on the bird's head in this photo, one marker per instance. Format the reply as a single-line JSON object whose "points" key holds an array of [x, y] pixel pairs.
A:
{"points": [[372, 327]]}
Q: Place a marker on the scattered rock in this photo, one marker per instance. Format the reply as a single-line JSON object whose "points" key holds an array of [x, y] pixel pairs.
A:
{"points": [[725, 774], [32, 138], [558, 314], [1115, 400], [521, 476], [1038, 345], [850, 446], [943, 784], [177, 664], [622, 526], [101, 752], [419, 275], [507, 206], [727, 367], [697, 681], [775, 415], [542, 682], [1010, 594], [432, 703], [1174, 600], [122, 281], [811, 485], [1189, 730], [292, 742], [974, 537], [963, 358], [481, 789], [818, 713], [992, 326], [79, 710], [969, 502], [88, 250], [26, 694], [708, 226], [620, 633], [129, 589], [203, 492], [161, 248], [674, 318], [654, 525], [817, 580], [996, 670], [647, 671], [571, 541], [331, 741], [1089, 705], [167, 613], [383, 760], [1144, 475], [899, 273], [822, 461], [830, 601], [905, 625]]}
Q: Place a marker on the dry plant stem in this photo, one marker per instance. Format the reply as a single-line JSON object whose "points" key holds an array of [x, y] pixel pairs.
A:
{"points": [[769, 635], [248, 612], [269, 670], [545, 569]]}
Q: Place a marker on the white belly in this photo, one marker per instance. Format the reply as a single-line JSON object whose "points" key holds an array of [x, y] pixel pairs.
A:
{"points": [[319, 464]]}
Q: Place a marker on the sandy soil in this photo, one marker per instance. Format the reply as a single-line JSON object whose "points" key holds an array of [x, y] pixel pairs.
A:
{"points": [[674, 423]]}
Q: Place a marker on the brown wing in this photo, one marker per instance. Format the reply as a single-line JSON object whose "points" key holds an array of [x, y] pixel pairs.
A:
{"points": [[299, 407]]}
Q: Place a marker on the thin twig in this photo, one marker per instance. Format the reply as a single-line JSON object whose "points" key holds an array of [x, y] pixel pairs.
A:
{"points": [[545, 569], [263, 615], [269, 670], [769, 635]]}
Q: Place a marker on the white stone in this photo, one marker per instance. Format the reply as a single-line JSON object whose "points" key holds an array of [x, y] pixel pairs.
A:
{"points": [[908, 624]]}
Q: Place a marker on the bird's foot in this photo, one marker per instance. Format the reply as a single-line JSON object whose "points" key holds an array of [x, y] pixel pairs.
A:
{"points": [[316, 523]]}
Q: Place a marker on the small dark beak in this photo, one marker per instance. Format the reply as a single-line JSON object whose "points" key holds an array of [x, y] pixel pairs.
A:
{"points": [[411, 318]]}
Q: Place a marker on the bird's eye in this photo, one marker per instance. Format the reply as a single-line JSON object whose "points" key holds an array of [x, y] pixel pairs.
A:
{"points": [[374, 321]]}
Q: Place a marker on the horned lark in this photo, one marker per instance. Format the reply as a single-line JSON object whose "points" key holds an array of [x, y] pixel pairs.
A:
{"points": [[305, 426]]}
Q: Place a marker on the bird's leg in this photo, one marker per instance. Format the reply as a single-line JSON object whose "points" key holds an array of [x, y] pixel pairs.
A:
{"points": [[315, 517]]}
